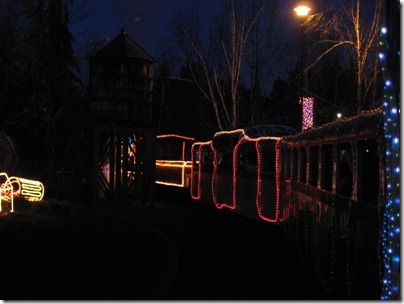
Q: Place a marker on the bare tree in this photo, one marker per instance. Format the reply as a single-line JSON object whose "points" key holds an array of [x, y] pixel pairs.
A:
{"points": [[261, 52], [220, 63], [357, 31]]}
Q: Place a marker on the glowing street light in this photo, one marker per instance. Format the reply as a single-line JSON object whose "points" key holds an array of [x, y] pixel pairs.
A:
{"points": [[302, 10]]}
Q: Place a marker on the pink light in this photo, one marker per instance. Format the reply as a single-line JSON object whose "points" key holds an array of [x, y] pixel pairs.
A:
{"points": [[199, 146], [308, 112], [235, 153], [197, 195], [259, 202]]}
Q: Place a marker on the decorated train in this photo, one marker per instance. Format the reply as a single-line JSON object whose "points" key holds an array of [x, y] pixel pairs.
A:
{"points": [[325, 186]]}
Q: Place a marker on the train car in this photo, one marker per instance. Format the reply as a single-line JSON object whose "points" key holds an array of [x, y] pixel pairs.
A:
{"points": [[173, 161], [335, 177], [202, 171], [238, 172], [325, 186]]}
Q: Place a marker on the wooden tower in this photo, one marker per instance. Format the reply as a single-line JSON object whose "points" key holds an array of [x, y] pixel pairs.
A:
{"points": [[123, 160]]}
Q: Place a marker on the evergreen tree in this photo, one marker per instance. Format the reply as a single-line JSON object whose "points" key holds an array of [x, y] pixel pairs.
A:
{"points": [[48, 108]]}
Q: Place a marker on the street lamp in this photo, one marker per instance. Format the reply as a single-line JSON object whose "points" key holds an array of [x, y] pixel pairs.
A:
{"points": [[302, 11]]}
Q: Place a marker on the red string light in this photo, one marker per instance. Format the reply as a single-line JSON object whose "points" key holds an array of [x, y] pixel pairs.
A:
{"points": [[229, 205], [273, 216], [196, 184], [197, 195], [175, 136]]}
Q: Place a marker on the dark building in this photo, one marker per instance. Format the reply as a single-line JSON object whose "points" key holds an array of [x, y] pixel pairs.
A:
{"points": [[121, 82]]}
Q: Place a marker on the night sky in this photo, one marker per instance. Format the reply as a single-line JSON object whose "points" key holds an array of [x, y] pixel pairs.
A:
{"points": [[150, 24], [147, 22]]}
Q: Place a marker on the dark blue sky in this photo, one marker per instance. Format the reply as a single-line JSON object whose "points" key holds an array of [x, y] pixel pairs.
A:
{"points": [[146, 21], [150, 24]]}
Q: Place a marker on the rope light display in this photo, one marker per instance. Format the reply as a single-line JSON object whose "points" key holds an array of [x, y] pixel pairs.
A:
{"points": [[308, 112], [390, 221], [180, 137], [6, 191], [271, 189], [194, 188], [172, 172], [259, 201], [197, 156], [220, 158], [11, 187]]}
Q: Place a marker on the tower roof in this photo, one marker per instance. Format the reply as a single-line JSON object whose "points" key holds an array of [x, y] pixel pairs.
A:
{"points": [[123, 46]]}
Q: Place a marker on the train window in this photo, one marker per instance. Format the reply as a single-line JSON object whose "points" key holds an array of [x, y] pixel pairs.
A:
{"points": [[225, 161], [313, 163], [344, 170], [207, 160], [302, 165], [283, 162], [295, 163], [267, 158], [287, 163], [368, 169], [326, 167], [195, 163], [247, 159]]}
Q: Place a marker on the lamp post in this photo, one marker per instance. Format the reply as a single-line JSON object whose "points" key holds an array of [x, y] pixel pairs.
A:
{"points": [[302, 11]]}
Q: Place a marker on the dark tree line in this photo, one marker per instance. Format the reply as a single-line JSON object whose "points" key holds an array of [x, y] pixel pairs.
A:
{"points": [[41, 98]]}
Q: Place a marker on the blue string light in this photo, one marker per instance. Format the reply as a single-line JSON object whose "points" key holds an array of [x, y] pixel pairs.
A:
{"points": [[391, 230]]}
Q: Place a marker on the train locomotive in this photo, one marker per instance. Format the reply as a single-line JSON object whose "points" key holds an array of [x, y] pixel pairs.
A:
{"points": [[325, 186]]}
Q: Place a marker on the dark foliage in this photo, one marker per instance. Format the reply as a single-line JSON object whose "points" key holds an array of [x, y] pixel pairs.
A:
{"points": [[42, 99]]}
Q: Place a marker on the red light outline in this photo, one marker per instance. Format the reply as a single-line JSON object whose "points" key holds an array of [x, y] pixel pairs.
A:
{"points": [[183, 165], [199, 161], [258, 198], [279, 214], [196, 196], [184, 138], [220, 205], [175, 136]]}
